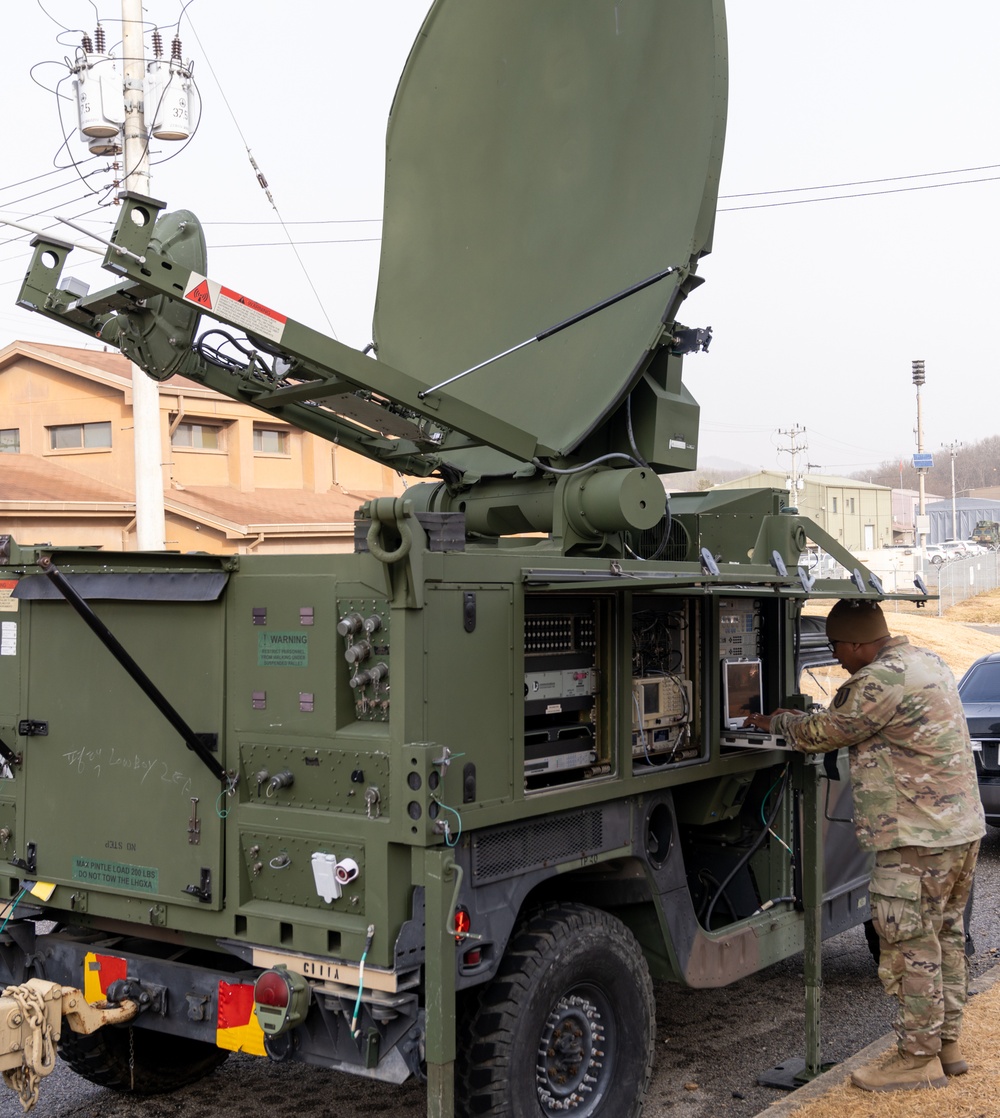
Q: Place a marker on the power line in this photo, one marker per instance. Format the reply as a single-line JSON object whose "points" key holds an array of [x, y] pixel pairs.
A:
{"points": [[860, 194], [861, 182]]}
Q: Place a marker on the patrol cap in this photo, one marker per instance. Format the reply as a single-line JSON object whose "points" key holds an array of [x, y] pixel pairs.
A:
{"points": [[857, 622]]}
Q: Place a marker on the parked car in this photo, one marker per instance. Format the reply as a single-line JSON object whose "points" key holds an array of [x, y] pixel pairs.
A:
{"points": [[970, 546], [954, 549], [979, 689], [936, 554]]}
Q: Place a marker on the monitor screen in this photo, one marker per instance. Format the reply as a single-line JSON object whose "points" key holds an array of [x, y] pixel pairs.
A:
{"points": [[742, 693]]}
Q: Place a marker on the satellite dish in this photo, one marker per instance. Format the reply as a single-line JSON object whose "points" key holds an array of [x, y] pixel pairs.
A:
{"points": [[541, 158]]}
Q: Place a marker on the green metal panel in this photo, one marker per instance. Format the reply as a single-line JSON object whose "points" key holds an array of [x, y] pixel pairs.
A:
{"points": [[113, 799], [542, 157]]}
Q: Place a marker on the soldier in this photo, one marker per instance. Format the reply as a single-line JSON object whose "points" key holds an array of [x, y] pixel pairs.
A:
{"points": [[917, 806]]}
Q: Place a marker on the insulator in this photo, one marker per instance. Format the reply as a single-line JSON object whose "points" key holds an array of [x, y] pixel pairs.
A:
{"points": [[100, 40], [157, 43], [175, 49], [87, 43]]}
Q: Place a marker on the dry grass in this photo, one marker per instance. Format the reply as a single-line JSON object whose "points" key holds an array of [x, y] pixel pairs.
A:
{"points": [[951, 637], [975, 1095]]}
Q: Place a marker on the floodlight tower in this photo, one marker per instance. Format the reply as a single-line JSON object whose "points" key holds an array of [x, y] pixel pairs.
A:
{"points": [[918, 380]]}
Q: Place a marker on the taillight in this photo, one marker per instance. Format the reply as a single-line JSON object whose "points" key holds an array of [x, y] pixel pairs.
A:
{"points": [[271, 989], [280, 1000]]}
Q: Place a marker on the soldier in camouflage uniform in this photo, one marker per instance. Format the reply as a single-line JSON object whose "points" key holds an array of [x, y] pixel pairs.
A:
{"points": [[917, 806]]}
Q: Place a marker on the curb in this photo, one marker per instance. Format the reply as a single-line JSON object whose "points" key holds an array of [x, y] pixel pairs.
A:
{"points": [[818, 1087]]}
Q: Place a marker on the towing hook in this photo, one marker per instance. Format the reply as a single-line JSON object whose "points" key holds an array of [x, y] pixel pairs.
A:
{"points": [[132, 990]]}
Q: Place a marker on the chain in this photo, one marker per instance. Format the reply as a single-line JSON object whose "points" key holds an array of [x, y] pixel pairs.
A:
{"points": [[131, 1058], [39, 1047]]}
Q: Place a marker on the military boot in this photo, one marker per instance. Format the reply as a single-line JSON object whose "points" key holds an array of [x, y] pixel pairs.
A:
{"points": [[902, 1073], [952, 1060]]}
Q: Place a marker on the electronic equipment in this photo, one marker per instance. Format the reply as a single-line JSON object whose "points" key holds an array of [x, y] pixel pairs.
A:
{"points": [[558, 749], [742, 692], [739, 628], [753, 739], [660, 701]]}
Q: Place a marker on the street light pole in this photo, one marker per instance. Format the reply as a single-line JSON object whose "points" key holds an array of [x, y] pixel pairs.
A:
{"points": [[918, 380], [953, 448]]}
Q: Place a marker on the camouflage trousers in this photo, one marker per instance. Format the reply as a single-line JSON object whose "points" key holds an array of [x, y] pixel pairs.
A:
{"points": [[918, 898]]}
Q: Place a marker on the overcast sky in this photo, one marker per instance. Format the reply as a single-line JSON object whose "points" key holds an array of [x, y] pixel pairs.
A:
{"points": [[818, 305]]}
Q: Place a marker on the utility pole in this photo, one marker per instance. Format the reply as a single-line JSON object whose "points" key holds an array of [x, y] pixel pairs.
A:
{"points": [[796, 448], [953, 448], [149, 509]]}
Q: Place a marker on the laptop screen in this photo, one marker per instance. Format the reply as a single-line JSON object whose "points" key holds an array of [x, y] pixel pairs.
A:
{"points": [[742, 692]]}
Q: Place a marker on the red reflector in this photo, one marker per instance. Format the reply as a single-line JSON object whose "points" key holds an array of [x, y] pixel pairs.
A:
{"points": [[474, 956], [271, 989], [463, 922]]}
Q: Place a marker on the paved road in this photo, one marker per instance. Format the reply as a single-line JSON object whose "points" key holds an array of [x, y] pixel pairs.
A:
{"points": [[716, 1040]]}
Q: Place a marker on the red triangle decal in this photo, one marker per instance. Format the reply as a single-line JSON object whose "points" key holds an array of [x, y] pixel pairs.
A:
{"points": [[200, 295]]}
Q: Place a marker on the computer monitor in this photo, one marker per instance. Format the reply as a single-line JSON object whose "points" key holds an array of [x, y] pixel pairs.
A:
{"points": [[742, 692]]}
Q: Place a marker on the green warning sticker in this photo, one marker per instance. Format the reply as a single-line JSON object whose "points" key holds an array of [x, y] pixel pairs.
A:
{"points": [[282, 650], [116, 875]]}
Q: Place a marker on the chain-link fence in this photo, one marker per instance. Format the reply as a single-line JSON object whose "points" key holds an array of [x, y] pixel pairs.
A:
{"points": [[958, 579]]}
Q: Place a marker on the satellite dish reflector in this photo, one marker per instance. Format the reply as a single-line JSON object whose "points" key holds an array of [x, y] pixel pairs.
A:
{"points": [[540, 158]]}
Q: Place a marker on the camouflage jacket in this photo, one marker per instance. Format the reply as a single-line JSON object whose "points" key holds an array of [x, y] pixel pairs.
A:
{"points": [[912, 768]]}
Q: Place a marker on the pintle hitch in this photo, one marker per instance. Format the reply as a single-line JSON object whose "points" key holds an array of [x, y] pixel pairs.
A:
{"points": [[31, 1017]]}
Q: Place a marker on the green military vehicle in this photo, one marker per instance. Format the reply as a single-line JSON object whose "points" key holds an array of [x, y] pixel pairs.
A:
{"points": [[987, 534], [445, 806]]}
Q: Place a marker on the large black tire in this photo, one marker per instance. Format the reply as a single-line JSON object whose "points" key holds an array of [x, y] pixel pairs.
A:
{"points": [[567, 1025], [161, 1062]]}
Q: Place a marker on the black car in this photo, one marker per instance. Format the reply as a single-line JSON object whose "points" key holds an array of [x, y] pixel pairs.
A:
{"points": [[980, 692]]}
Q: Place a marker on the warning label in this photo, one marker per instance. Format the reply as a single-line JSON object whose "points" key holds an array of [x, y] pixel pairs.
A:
{"points": [[282, 650], [8, 638], [231, 306], [117, 875], [8, 603]]}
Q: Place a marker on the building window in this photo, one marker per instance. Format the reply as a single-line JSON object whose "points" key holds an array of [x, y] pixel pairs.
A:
{"points": [[834, 499], [10, 441], [76, 436], [266, 440], [197, 436], [850, 505]]}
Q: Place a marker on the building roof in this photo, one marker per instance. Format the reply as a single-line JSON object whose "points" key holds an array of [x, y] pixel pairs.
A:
{"points": [[30, 480], [265, 509], [816, 479], [31, 485]]}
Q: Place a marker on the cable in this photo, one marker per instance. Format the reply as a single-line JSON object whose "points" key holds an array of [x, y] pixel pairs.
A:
{"points": [[586, 466], [259, 175], [318, 221], [447, 830], [860, 182], [361, 980], [293, 244], [763, 804], [12, 905], [747, 855], [861, 194]]}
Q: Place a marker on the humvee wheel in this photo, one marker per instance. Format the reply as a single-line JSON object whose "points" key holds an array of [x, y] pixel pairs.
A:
{"points": [[139, 1061], [567, 1025]]}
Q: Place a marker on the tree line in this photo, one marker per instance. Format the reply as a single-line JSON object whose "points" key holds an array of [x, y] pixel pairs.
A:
{"points": [[977, 466]]}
